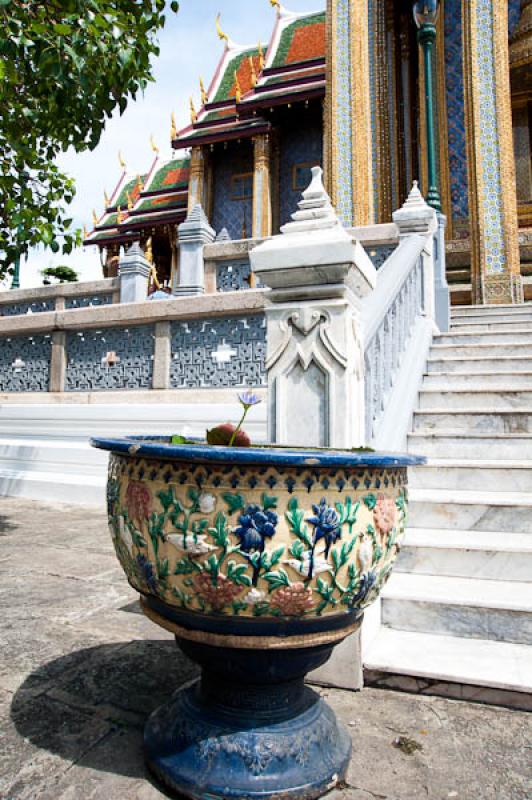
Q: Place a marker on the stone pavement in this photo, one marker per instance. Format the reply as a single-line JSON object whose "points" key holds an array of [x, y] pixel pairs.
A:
{"points": [[80, 668]]}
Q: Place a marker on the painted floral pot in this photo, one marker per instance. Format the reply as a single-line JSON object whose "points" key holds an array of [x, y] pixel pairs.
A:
{"points": [[260, 561]]}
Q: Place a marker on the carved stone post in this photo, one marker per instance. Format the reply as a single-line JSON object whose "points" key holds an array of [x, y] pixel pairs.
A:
{"points": [[262, 203], [134, 273], [194, 233], [197, 184], [318, 275]]}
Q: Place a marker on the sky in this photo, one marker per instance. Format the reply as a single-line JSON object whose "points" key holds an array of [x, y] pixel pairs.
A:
{"points": [[189, 48]]}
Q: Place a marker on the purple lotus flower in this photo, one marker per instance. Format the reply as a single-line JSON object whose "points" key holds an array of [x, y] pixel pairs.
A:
{"points": [[249, 399], [326, 525]]}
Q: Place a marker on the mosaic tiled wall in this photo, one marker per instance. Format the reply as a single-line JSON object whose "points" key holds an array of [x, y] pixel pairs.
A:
{"points": [[227, 213], [25, 363], [110, 359], [455, 109], [514, 12], [301, 145], [344, 113], [89, 302], [17, 309], [228, 351]]}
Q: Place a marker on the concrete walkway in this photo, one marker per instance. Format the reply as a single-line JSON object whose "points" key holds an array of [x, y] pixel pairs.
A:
{"points": [[80, 669]]}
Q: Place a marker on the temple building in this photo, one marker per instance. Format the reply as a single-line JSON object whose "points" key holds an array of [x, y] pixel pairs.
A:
{"points": [[344, 88]]}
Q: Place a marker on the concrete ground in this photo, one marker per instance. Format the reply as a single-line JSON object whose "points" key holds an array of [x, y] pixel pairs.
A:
{"points": [[80, 668]]}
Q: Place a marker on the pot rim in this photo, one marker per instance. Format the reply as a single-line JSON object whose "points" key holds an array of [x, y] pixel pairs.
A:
{"points": [[160, 449]]}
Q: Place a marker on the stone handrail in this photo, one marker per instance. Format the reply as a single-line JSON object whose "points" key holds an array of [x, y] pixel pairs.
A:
{"points": [[57, 297]]}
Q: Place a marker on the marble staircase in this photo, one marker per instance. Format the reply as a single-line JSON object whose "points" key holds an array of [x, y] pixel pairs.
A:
{"points": [[456, 616]]}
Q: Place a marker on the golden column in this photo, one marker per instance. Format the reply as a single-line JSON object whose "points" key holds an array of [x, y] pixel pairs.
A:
{"points": [[198, 179], [348, 134], [262, 202], [495, 269]]}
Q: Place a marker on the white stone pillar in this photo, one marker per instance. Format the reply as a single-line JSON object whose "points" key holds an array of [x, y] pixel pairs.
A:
{"points": [[194, 233], [134, 272], [318, 274]]}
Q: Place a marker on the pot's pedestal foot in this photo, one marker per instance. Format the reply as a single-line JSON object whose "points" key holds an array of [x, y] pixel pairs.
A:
{"points": [[205, 751]]}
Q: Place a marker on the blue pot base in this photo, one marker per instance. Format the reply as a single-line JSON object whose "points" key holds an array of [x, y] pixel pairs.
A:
{"points": [[204, 751]]}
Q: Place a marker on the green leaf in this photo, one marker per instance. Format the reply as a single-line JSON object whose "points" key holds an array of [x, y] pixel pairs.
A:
{"points": [[371, 501], [219, 533], [61, 29], [277, 579], [276, 556], [235, 502], [269, 502], [174, 6]]}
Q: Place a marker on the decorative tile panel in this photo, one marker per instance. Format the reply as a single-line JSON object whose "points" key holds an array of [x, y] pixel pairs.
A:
{"points": [[343, 112], [110, 359], [455, 109], [380, 254], [235, 215], [230, 351], [25, 363], [19, 309], [234, 275], [89, 302], [514, 14], [299, 145]]}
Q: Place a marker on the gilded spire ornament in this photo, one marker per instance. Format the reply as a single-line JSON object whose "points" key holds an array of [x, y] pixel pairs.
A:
{"points": [[140, 184], [261, 57], [153, 145], [119, 215], [221, 35], [238, 89], [106, 200], [173, 128], [276, 4], [129, 201], [149, 251], [121, 160], [85, 232], [94, 218], [193, 112], [204, 95]]}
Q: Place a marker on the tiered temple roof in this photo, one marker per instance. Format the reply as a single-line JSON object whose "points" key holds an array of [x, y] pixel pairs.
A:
{"points": [[247, 84]]}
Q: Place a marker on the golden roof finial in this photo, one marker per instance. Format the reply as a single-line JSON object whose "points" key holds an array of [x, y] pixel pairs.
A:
{"points": [[94, 218], [119, 215], [106, 199], [193, 112], [238, 89], [204, 95], [129, 201], [140, 183], [261, 58], [121, 160], [153, 145], [253, 73], [221, 35], [85, 232], [173, 129], [276, 4]]}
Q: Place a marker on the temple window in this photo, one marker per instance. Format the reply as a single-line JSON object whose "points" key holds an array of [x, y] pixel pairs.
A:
{"points": [[242, 186]]}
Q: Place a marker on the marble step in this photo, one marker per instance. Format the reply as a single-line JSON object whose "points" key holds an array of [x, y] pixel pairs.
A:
{"points": [[519, 336], [454, 659], [480, 381], [453, 509], [511, 349], [453, 443], [488, 326], [482, 420], [491, 314], [501, 364], [496, 399], [487, 555], [52, 456], [53, 486], [477, 475], [448, 606]]}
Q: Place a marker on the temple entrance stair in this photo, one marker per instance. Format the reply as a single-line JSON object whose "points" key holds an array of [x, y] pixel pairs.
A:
{"points": [[456, 615]]}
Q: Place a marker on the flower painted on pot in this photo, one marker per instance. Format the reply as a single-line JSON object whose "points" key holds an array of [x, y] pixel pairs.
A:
{"points": [[255, 527], [195, 545], [367, 582], [365, 554], [303, 566], [326, 525], [254, 596], [138, 501], [207, 503], [113, 493], [218, 592], [385, 514], [147, 573], [293, 601]]}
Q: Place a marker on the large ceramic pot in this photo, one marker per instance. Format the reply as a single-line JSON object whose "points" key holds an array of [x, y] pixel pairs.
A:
{"points": [[260, 561]]}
